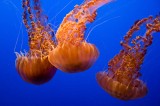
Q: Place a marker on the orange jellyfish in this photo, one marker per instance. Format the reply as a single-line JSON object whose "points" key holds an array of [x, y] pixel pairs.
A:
{"points": [[73, 54], [34, 66], [122, 78]]}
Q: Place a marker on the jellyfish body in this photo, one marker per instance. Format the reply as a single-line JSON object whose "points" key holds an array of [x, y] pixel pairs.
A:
{"points": [[120, 90], [71, 58], [73, 54], [34, 70], [122, 78], [34, 66]]}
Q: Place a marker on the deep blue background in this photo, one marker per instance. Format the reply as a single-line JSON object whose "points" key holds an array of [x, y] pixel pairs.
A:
{"points": [[79, 89]]}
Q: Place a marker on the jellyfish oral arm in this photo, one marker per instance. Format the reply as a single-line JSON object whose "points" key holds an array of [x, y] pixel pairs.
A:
{"points": [[95, 4], [85, 10], [74, 24]]}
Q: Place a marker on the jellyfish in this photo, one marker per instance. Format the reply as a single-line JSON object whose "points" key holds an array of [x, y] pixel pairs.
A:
{"points": [[33, 66], [73, 54], [122, 80]]}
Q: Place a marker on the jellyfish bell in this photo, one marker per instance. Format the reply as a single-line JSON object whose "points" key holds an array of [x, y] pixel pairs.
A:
{"points": [[120, 90], [74, 58], [73, 54], [33, 69]]}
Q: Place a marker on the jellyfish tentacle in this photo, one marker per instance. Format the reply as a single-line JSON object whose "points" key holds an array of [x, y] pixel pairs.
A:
{"points": [[25, 13], [37, 9], [40, 17], [28, 18]]}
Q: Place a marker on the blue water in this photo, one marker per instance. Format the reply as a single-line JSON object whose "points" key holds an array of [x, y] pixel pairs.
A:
{"points": [[79, 89]]}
